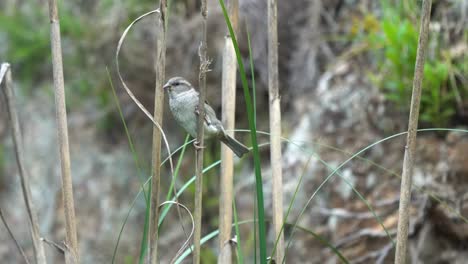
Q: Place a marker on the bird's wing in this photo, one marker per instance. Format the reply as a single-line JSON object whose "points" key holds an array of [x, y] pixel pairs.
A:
{"points": [[209, 113]]}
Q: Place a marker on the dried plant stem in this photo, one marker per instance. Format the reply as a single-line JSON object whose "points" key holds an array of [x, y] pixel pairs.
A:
{"points": [[62, 130], [200, 129], [24, 177], [160, 64], [405, 191], [10, 233], [275, 128], [227, 158]]}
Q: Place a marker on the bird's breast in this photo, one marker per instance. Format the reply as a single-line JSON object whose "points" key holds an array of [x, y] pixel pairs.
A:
{"points": [[183, 109]]}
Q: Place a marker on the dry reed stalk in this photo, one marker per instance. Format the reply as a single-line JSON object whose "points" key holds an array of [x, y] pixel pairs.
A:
{"points": [[204, 64], [160, 64], [405, 191], [39, 252], [275, 127], [227, 157], [62, 131]]}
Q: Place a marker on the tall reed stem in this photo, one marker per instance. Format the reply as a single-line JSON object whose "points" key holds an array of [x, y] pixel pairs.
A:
{"points": [[159, 66], [275, 128], [408, 161], [62, 131], [204, 64], [227, 158]]}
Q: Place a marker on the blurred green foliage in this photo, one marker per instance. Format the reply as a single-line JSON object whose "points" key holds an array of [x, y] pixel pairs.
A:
{"points": [[25, 34], [393, 40], [25, 38]]}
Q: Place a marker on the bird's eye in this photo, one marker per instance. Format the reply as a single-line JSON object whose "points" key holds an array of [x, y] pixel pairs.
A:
{"points": [[176, 83]]}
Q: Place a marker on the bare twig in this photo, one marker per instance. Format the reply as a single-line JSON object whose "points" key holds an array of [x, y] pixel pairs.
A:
{"points": [[200, 135], [275, 128], [159, 65], [405, 193], [23, 174], [62, 248], [10, 233], [62, 130], [227, 158]]}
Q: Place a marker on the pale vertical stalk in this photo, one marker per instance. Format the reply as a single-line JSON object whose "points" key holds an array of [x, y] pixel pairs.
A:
{"points": [[405, 190], [275, 128], [38, 246], [227, 156], [159, 65], [62, 130], [204, 64]]}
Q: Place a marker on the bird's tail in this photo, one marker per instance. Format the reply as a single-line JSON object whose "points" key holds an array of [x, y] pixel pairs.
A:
{"points": [[238, 148]]}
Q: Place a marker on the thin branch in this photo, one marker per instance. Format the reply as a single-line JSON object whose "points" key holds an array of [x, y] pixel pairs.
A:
{"points": [[405, 193], [159, 65], [39, 252], [62, 130], [204, 63], [10, 233], [62, 248], [275, 128], [227, 158]]}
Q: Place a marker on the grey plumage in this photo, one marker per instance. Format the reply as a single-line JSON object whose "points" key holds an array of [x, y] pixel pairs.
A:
{"points": [[183, 102]]}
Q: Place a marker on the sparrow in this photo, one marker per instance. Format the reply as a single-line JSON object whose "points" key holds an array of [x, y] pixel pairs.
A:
{"points": [[183, 102]]}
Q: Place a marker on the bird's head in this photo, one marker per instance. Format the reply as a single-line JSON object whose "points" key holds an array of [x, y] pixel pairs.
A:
{"points": [[177, 85]]}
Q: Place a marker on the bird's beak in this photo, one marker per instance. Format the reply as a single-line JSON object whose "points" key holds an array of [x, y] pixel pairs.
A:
{"points": [[166, 86]]}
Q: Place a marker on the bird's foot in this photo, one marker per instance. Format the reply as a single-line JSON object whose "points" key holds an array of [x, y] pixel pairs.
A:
{"points": [[197, 146]]}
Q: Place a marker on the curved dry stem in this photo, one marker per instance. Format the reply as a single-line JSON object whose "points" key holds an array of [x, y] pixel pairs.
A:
{"points": [[130, 93], [186, 243], [138, 103]]}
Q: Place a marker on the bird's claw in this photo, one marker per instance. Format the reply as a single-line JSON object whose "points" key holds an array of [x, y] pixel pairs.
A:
{"points": [[197, 146]]}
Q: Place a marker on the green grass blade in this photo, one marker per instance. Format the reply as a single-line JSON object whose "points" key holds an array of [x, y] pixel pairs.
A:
{"points": [[254, 98], [291, 204], [144, 238], [252, 72], [123, 226], [172, 188], [137, 164], [127, 133], [321, 239]]}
